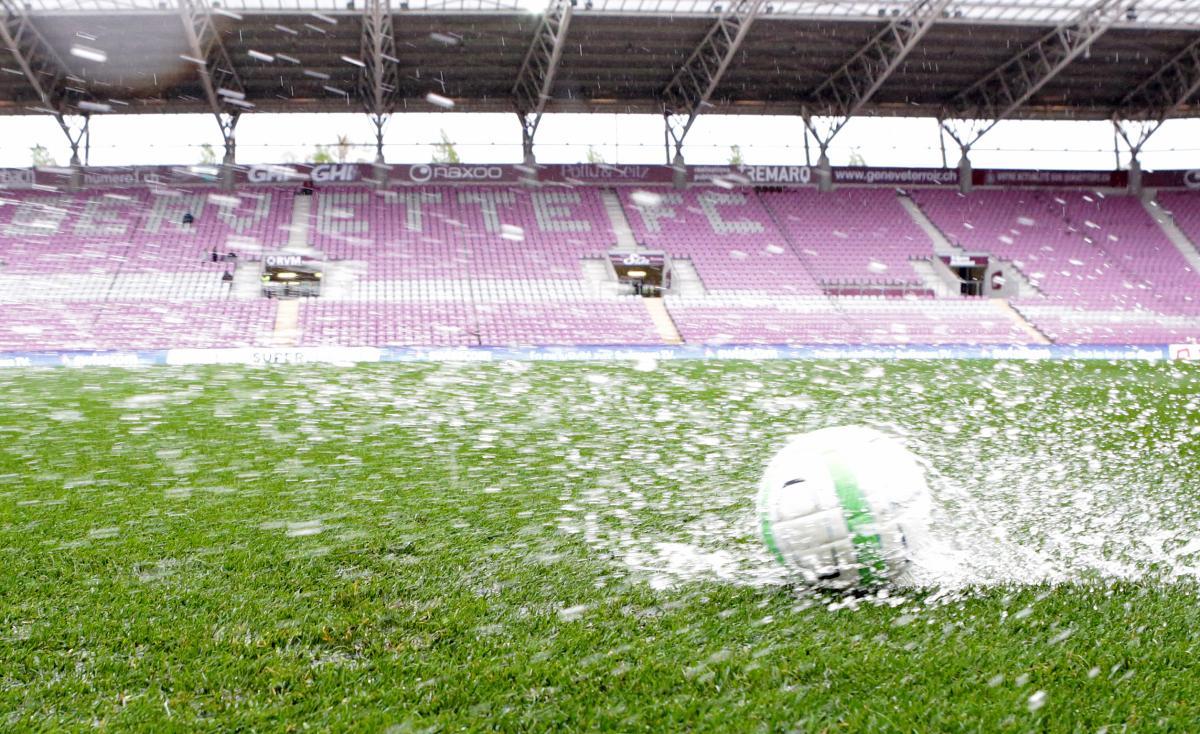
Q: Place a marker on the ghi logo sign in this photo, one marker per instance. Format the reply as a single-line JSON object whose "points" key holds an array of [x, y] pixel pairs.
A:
{"points": [[424, 173], [320, 173]]}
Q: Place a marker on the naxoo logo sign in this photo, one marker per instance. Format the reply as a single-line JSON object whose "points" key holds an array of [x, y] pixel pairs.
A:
{"points": [[636, 259], [321, 173], [1191, 179], [424, 172]]}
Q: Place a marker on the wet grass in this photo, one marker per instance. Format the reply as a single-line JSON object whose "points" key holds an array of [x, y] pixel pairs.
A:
{"points": [[436, 548]]}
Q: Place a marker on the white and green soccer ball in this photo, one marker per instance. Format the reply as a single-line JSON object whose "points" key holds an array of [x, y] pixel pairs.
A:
{"points": [[845, 508]]}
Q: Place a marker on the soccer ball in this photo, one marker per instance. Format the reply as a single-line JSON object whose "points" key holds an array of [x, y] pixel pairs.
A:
{"points": [[845, 508]]}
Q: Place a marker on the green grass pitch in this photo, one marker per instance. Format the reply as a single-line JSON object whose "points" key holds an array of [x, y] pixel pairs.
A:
{"points": [[572, 547]]}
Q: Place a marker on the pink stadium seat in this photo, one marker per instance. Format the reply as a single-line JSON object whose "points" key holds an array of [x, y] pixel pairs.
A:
{"points": [[855, 236], [462, 233], [464, 323], [846, 321], [1107, 271], [729, 236], [117, 325]]}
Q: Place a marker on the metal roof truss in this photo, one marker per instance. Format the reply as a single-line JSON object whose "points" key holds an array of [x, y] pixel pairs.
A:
{"points": [[849, 88], [689, 91], [222, 86], [1003, 91]]}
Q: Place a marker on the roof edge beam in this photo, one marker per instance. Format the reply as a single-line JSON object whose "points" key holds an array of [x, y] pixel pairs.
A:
{"points": [[535, 80], [1007, 88], [693, 85], [852, 86]]}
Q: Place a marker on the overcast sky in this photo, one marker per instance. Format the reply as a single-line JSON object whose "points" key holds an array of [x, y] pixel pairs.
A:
{"points": [[495, 138]]}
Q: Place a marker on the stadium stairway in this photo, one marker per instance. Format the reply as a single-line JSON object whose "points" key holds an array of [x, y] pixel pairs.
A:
{"points": [[663, 323], [620, 223], [685, 280], [301, 222], [941, 243], [1186, 247], [932, 278], [287, 323], [598, 279], [1035, 334]]}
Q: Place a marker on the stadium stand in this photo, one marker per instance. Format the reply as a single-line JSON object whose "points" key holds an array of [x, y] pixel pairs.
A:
{"points": [[729, 236], [1107, 271], [861, 236], [497, 266], [341, 323], [1078, 248], [119, 269], [466, 266], [1070, 325], [132, 243]]}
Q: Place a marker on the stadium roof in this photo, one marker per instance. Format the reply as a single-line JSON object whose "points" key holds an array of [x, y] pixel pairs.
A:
{"points": [[135, 56], [1156, 12]]}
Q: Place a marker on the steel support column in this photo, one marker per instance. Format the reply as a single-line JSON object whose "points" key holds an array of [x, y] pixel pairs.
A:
{"points": [[535, 80], [379, 79]]}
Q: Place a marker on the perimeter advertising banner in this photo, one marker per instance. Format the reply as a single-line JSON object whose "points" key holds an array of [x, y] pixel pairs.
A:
{"points": [[108, 176], [607, 175], [454, 173], [119, 176], [418, 174], [1186, 352], [807, 176], [320, 173], [1172, 180], [1068, 179], [16, 178]]}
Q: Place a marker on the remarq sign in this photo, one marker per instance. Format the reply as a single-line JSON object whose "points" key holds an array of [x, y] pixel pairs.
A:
{"points": [[431, 172], [320, 173], [801, 175]]}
